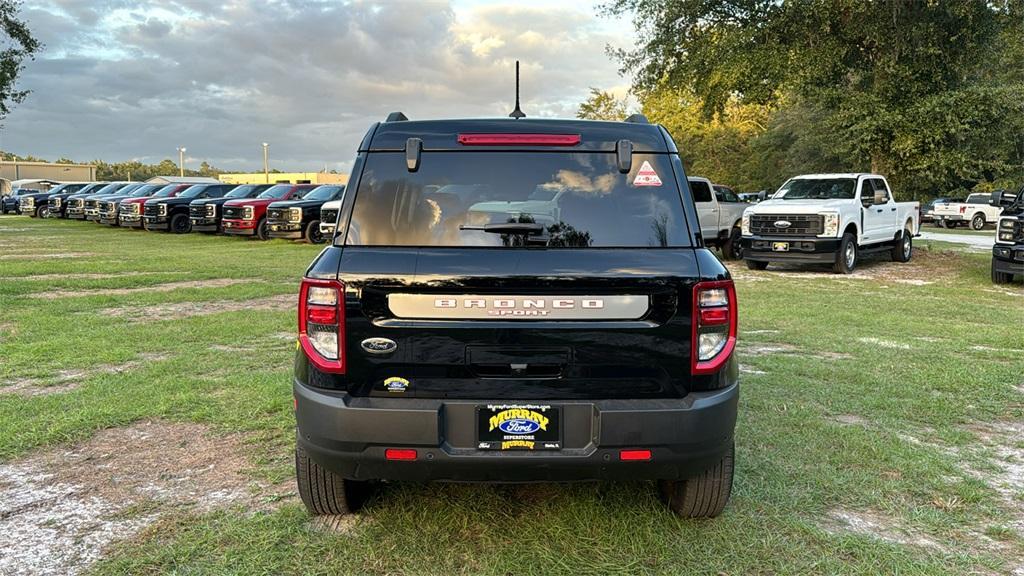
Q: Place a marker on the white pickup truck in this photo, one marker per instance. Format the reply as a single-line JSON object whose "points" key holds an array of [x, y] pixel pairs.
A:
{"points": [[829, 218], [719, 210], [975, 210]]}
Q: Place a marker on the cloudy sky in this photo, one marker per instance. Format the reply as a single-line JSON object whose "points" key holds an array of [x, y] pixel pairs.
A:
{"points": [[135, 79]]}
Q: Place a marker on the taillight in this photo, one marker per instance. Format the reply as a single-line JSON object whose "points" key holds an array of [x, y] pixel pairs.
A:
{"points": [[322, 323], [714, 325], [519, 139]]}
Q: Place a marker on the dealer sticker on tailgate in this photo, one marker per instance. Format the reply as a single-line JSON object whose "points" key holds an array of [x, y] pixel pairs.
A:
{"points": [[518, 427]]}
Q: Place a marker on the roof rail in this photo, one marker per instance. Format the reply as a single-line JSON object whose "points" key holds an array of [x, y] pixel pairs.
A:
{"points": [[637, 119], [396, 117]]}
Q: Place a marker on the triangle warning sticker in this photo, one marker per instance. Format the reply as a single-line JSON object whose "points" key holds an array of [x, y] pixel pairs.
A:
{"points": [[646, 176]]}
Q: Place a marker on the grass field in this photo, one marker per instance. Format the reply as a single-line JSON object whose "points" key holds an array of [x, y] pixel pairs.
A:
{"points": [[145, 427]]}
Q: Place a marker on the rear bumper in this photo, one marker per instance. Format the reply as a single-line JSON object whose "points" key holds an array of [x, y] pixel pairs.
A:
{"points": [[239, 227], [801, 249], [1008, 259], [349, 436]]}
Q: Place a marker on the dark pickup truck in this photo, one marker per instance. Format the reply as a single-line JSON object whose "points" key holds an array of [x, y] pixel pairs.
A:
{"points": [[109, 205], [57, 201], [516, 300], [297, 219], [206, 213], [1008, 250], [172, 214], [36, 203]]}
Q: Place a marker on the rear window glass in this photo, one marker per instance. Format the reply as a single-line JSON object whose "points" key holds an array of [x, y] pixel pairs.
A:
{"points": [[565, 200], [700, 190]]}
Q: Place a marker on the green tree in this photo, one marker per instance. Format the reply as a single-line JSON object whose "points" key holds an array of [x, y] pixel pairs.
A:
{"points": [[882, 77], [19, 46], [601, 105]]}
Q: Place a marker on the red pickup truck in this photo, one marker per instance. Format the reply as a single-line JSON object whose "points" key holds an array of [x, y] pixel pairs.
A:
{"points": [[248, 216]]}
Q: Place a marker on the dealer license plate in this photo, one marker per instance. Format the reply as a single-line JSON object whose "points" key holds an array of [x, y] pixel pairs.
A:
{"points": [[780, 246], [518, 427]]}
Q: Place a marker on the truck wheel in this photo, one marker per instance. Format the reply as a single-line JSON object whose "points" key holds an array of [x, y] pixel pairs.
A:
{"points": [[756, 264], [846, 258], [1000, 277], [40, 212], [180, 224], [978, 222], [904, 247], [262, 232], [704, 495], [324, 492], [732, 249], [313, 235]]}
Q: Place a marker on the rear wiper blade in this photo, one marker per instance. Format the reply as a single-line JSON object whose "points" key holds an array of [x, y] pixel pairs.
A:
{"points": [[527, 228]]}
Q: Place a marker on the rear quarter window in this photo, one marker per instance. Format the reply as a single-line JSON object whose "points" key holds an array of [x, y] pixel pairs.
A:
{"points": [[580, 199]]}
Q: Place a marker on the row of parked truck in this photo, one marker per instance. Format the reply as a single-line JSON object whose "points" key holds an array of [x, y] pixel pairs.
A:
{"points": [[295, 211]]}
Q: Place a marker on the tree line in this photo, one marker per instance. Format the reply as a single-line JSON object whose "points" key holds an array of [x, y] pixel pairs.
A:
{"points": [[931, 94]]}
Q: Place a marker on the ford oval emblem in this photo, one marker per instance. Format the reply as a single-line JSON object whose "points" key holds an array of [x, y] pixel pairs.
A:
{"points": [[783, 223], [519, 426], [379, 345]]}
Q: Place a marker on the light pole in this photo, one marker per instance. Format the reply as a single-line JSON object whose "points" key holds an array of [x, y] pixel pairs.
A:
{"points": [[266, 166], [181, 162]]}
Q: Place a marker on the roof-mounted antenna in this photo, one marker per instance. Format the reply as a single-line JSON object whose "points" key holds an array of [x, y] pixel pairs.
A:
{"points": [[517, 113]]}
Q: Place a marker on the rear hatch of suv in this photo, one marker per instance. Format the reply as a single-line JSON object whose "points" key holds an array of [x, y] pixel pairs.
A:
{"points": [[524, 270]]}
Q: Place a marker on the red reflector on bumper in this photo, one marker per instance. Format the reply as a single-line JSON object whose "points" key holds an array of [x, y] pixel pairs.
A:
{"points": [[399, 454], [634, 455]]}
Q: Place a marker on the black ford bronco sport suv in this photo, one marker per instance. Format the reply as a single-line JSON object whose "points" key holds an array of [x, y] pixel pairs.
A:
{"points": [[516, 300]]}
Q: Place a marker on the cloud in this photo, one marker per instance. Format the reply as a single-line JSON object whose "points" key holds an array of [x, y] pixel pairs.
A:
{"points": [[123, 79]]}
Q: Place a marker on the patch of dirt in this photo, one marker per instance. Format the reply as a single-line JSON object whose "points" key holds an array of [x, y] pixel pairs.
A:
{"points": [[1006, 292], [168, 287], [851, 420], [878, 526], [85, 276], [929, 339], [57, 255], [179, 310], [770, 349], [60, 509], [283, 336], [744, 369], [885, 343], [760, 331], [66, 380]]}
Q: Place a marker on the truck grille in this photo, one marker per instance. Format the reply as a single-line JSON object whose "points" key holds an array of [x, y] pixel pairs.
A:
{"points": [[202, 210], [800, 224], [75, 203], [151, 210], [89, 204], [234, 212], [329, 216]]}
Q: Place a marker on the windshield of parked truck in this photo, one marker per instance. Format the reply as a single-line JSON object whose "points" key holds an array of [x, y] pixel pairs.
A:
{"points": [[242, 191], [166, 191], [143, 191], [556, 200], [817, 189], [193, 191], [276, 192], [324, 193]]}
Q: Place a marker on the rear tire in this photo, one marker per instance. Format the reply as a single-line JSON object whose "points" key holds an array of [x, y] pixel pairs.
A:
{"points": [[978, 222], [1000, 277], [757, 264], [904, 247], [846, 258], [704, 495], [732, 249], [262, 231], [325, 493], [180, 224]]}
